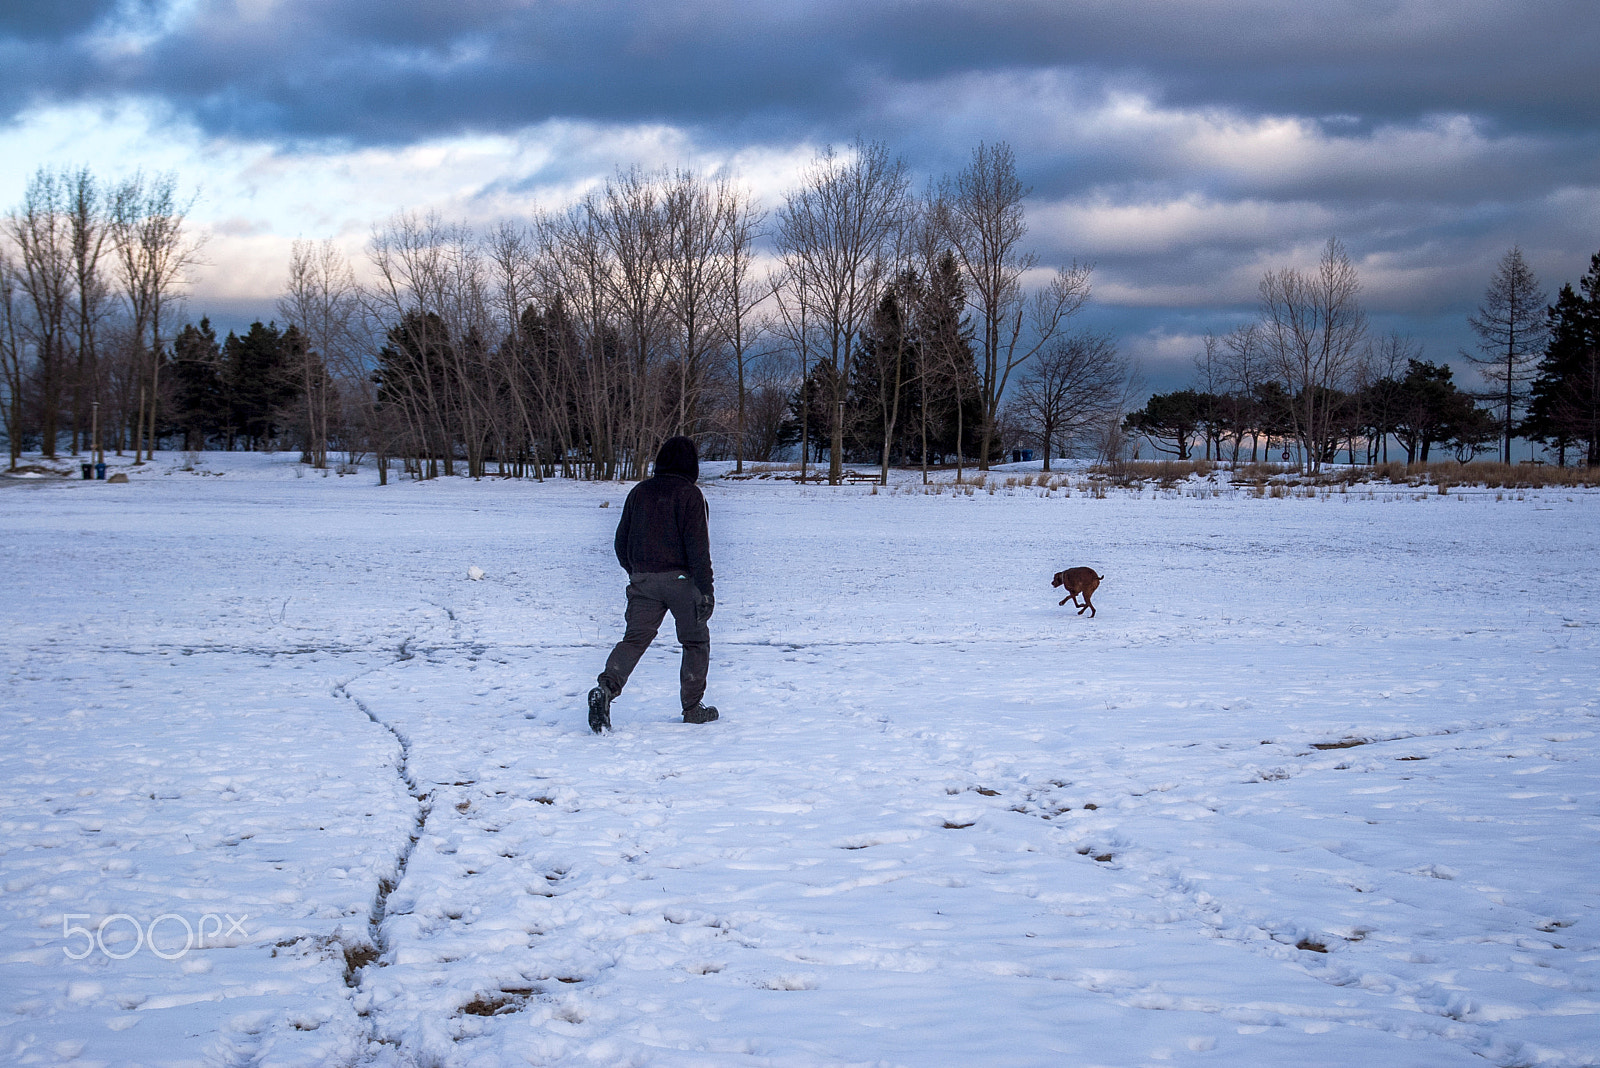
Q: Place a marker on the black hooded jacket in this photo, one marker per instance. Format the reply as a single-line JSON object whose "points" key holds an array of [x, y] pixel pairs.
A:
{"points": [[663, 525]]}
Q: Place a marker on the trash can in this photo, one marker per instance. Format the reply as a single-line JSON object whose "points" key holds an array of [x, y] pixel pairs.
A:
{"points": [[88, 471], [100, 470]]}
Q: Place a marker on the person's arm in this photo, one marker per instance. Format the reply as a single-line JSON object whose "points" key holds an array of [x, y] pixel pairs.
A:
{"points": [[697, 541], [624, 529]]}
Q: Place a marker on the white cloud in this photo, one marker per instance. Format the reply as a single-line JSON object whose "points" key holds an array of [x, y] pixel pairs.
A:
{"points": [[1107, 130], [256, 198], [1099, 224]]}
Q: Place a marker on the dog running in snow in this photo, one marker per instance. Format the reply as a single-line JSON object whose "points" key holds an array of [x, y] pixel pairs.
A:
{"points": [[1076, 581]]}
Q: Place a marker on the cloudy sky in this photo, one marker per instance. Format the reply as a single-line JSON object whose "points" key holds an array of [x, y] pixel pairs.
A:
{"points": [[1182, 146]]}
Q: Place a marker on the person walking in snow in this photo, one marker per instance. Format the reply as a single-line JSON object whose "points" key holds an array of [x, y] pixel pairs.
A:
{"points": [[664, 545]]}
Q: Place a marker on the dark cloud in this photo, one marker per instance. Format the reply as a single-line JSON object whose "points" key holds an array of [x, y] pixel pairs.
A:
{"points": [[1181, 146], [52, 19], [376, 71]]}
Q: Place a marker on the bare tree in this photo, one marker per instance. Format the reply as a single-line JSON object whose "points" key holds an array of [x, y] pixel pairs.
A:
{"points": [[745, 294], [406, 255], [42, 230], [987, 225], [1208, 368], [887, 348], [1242, 369], [832, 232], [793, 303], [153, 256], [632, 224], [1510, 325], [1069, 390], [1108, 434], [1312, 329], [1379, 385], [322, 301], [697, 260], [513, 253], [432, 283], [90, 231], [767, 404], [11, 377], [579, 370]]}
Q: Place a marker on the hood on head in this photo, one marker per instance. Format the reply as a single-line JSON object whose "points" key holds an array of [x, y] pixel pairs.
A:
{"points": [[678, 456]]}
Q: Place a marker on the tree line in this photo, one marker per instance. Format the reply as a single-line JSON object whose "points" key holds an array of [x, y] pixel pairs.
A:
{"points": [[87, 292], [1305, 373], [856, 320]]}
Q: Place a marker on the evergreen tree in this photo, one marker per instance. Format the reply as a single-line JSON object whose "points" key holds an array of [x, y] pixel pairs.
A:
{"points": [[881, 372], [1564, 404], [258, 370], [1169, 420], [547, 343], [1510, 325], [814, 396], [1432, 410], [1274, 413], [412, 378], [947, 391], [199, 397]]}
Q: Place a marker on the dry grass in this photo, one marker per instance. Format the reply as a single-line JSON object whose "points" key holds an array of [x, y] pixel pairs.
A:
{"points": [[1439, 475], [1505, 476], [1444, 474], [1162, 472], [1258, 479]]}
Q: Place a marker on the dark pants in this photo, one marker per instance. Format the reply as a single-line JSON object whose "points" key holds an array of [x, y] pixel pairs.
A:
{"points": [[650, 598]]}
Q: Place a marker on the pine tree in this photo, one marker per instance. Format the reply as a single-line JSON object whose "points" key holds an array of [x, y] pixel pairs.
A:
{"points": [[258, 372], [1564, 401], [881, 373], [814, 397], [1510, 325], [200, 400], [947, 393], [1431, 410], [1169, 421]]}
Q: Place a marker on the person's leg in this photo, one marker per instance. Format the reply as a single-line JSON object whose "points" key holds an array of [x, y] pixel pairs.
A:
{"points": [[642, 620], [695, 637]]}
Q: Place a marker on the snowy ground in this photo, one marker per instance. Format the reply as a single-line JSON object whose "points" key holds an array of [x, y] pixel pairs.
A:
{"points": [[1320, 786]]}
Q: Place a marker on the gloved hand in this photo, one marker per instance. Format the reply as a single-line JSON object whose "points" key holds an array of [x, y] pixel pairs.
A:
{"points": [[702, 611]]}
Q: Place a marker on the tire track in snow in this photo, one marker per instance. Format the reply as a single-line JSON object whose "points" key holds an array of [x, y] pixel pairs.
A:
{"points": [[373, 952]]}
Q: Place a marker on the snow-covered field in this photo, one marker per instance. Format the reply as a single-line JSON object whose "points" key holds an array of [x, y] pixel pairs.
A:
{"points": [[1321, 787]]}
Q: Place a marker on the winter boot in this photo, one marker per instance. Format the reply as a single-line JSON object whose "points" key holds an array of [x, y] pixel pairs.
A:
{"points": [[700, 713], [599, 709]]}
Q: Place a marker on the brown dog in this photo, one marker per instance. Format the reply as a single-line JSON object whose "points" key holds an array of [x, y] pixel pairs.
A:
{"points": [[1078, 580]]}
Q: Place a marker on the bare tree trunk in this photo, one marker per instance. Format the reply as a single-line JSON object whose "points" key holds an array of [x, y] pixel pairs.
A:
{"points": [[153, 256], [42, 230], [987, 225], [831, 233], [322, 302], [1312, 328], [744, 223], [11, 358]]}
